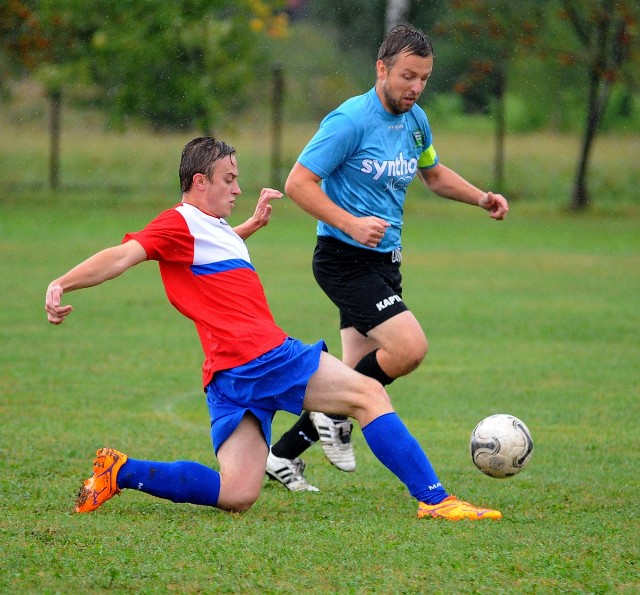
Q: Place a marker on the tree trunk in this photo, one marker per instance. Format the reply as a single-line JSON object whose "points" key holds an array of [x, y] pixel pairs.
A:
{"points": [[55, 103], [597, 101], [609, 53]]}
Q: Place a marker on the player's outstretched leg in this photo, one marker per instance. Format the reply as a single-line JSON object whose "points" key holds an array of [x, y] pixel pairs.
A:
{"points": [[180, 481], [335, 387], [391, 442]]}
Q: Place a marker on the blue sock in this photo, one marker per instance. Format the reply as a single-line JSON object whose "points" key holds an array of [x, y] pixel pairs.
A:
{"points": [[389, 439], [181, 481]]}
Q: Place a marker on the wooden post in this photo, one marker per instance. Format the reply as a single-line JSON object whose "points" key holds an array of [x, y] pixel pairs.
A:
{"points": [[276, 126], [55, 101]]}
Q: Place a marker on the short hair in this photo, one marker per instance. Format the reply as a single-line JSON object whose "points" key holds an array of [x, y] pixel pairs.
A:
{"points": [[199, 157], [404, 38]]}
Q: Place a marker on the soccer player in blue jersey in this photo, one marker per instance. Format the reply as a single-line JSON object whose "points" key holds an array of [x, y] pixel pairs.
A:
{"points": [[352, 177], [251, 367]]}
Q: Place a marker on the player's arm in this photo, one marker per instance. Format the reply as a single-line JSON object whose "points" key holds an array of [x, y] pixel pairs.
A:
{"points": [[302, 186], [100, 267], [261, 216], [447, 183]]}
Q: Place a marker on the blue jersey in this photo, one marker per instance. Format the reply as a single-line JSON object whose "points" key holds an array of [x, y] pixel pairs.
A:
{"points": [[366, 158]]}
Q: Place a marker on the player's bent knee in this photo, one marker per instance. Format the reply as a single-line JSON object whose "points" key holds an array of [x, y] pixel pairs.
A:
{"points": [[416, 359], [239, 500], [238, 490], [241, 505], [413, 355]]}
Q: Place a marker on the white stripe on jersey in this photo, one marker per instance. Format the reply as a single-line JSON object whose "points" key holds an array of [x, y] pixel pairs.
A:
{"points": [[214, 239]]}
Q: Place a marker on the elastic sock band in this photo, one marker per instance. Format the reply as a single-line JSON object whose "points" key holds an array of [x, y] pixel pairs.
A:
{"points": [[369, 366]]}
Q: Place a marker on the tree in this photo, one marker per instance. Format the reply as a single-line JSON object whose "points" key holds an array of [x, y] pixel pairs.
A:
{"points": [[180, 64], [174, 64], [43, 39], [607, 33], [492, 33], [19, 45]]}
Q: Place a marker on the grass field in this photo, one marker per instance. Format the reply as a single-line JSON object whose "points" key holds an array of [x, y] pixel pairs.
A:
{"points": [[536, 316]]}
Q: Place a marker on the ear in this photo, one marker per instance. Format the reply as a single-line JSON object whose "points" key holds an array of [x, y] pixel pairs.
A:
{"points": [[199, 180], [381, 69]]}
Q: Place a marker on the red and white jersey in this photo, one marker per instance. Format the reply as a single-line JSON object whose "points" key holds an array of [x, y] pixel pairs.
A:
{"points": [[209, 278]]}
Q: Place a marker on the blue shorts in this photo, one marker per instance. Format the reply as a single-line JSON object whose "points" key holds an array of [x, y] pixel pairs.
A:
{"points": [[274, 381]]}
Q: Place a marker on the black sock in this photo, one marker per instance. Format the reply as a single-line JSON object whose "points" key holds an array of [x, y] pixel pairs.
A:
{"points": [[369, 366], [297, 439]]}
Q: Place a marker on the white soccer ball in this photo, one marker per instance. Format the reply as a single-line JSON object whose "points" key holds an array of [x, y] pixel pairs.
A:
{"points": [[501, 445]]}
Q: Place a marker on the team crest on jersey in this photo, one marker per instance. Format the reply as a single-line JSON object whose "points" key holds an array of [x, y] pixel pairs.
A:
{"points": [[418, 139]]}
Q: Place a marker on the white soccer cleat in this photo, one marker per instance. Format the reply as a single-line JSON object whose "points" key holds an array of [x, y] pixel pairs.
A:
{"points": [[289, 473], [335, 437]]}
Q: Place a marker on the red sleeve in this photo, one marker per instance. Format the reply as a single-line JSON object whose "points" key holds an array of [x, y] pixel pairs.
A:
{"points": [[166, 238]]}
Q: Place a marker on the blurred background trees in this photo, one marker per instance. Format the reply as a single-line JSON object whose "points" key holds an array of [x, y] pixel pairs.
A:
{"points": [[566, 65], [173, 64]]}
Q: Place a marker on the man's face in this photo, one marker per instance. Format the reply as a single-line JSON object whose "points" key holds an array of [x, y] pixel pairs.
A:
{"points": [[221, 191], [400, 86]]}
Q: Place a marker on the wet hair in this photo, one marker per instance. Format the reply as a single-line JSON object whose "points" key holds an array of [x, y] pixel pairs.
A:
{"points": [[199, 157], [404, 38]]}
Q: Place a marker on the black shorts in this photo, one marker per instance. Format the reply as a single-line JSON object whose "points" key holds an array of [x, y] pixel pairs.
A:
{"points": [[365, 285]]}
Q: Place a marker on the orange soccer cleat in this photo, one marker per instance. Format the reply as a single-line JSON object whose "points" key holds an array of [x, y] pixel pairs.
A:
{"points": [[101, 486], [453, 509]]}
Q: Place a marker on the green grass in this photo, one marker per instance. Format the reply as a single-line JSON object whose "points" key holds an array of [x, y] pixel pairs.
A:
{"points": [[535, 316]]}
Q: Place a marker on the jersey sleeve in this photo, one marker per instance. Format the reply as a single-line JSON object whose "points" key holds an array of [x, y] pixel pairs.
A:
{"points": [[165, 238], [428, 158], [333, 143]]}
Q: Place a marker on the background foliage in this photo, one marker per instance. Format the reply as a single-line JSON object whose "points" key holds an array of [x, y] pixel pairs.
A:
{"points": [[186, 63], [565, 65], [173, 64]]}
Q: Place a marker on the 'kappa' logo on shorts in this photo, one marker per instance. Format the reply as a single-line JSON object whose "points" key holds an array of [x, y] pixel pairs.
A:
{"points": [[386, 302]]}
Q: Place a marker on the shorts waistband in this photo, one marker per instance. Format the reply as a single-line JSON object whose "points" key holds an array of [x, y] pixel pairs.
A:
{"points": [[393, 256]]}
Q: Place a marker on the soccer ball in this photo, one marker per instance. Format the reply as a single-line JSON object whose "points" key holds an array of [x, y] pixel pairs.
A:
{"points": [[501, 445]]}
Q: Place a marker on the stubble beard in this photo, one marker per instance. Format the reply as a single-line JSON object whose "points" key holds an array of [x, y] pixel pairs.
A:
{"points": [[394, 105]]}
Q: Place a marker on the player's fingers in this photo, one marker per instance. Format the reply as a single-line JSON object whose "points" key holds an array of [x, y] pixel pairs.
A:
{"points": [[53, 296], [499, 211], [269, 193], [58, 312], [55, 317]]}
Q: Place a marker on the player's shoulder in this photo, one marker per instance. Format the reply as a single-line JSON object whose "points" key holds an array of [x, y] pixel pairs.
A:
{"points": [[167, 214], [357, 109], [356, 101]]}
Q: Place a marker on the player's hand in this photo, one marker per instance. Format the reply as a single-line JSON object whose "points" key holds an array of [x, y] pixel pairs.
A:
{"points": [[368, 231], [56, 313], [495, 204], [262, 214]]}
